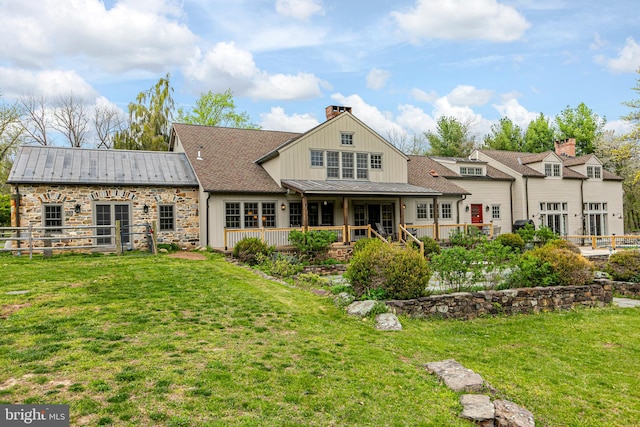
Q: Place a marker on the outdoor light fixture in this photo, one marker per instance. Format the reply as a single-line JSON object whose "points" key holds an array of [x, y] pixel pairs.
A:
{"points": [[487, 208], [466, 208], [76, 208], [145, 209], [404, 206], [283, 207]]}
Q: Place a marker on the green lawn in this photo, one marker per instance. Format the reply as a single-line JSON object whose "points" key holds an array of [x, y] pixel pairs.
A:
{"points": [[144, 340]]}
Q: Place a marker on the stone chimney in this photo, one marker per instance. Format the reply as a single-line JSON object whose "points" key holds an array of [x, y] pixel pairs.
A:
{"points": [[334, 110], [566, 148]]}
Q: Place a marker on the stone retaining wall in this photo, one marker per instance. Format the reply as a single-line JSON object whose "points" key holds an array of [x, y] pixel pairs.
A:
{"points": [[326, 270], [465, 305], [627, 289]]}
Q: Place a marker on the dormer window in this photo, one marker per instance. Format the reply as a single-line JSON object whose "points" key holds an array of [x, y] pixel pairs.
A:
{"points": [[594, 172], [346, 138], [552, 169], [470, 171]]}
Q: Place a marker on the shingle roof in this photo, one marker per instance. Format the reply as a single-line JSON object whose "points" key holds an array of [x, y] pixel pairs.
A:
{"points": [[358, 188], [60, 165], [228, 156], [419, 168], [513, 160]]}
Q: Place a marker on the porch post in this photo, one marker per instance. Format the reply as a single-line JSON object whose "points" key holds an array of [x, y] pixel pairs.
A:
{"points": [[345, 215], [402, 207], [436, 226], [305, 213]]}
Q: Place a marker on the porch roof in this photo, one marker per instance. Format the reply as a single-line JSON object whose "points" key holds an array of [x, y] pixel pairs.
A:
{"points": [[357, 188]]}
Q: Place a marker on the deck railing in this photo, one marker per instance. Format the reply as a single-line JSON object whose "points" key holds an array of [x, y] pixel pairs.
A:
{"points": [[612, 241]]}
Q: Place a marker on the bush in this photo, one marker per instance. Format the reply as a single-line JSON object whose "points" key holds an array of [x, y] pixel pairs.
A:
{"points": [[496, 259], [5, 210], [457, 268], [171, 247], [311, 280], [528, 272], [625, 266], [380, 270], [469, 240], [565, 244], [362, 243], [312, 243], [541, 236], [247, 249], [283, 267], [431, 247], [511, 240]]}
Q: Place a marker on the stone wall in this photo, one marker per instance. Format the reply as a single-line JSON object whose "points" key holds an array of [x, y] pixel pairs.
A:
{"points": [[627, 289], [185, 200], [341, 252], [326, 270], [465, 305]]}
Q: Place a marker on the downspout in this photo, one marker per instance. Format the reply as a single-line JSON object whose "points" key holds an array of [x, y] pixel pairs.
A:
{"points": [[582, 206], [464, 197], [16, 208], [526, 194], [206, 223], [511, 200]]}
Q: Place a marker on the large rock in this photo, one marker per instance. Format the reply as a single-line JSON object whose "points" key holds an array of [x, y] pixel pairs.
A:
{"points": [[508, 414], [361, 308], [343, 299], [456, 377], [388, 322], [478, 408]]}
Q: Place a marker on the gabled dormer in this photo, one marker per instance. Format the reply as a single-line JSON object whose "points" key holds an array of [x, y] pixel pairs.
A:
{"points": [[588, 165], [547, 163], [463, 167]]}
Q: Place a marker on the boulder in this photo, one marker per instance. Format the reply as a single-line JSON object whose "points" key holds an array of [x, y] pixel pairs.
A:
{"points": [[478, 408], [388, 322], [456, 377], [508, 414], [343, 299], [360, 308]]}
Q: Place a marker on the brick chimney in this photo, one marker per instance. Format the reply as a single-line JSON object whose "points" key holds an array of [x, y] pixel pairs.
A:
{"points": [[566, 148], [334, 110]]}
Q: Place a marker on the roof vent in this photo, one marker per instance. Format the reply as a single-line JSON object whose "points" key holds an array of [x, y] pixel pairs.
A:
{"points": [[433, 173]]}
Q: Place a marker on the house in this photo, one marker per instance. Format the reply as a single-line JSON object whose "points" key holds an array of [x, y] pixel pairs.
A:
{"points": [[71, 187], [340, 175]]}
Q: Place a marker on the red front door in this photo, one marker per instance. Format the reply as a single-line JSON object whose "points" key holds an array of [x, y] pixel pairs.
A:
{"points": [[476, 214]]}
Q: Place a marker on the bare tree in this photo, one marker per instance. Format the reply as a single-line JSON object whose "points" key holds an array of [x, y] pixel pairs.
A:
{"points": [[107, 120], [408, 144], [71, 119], [35, 120]]}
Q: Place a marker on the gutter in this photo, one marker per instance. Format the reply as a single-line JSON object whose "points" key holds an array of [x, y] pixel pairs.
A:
{"points": [[206, 223], [582, 206], [526, 194], [511, 200], [464, 197]]}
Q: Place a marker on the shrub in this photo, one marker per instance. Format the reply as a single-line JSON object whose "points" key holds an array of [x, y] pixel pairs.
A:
{"points": [[541, 236], [511, 240], [496, 260], [311, 280], [456, 267], [383, 271], [5, 210], [171, 247], [431, 247], [528, 233], [248, 248], [545, 235], [283, 267], [312, 243], [362, 243], [469, 240], [528, 272], [625, 266], [565, 244]]}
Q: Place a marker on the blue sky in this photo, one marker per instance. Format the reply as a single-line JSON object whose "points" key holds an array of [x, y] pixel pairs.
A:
{"points": [[399, 64]]}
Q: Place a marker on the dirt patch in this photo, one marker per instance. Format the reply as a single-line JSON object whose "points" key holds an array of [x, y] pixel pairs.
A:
{"points": [[8, 310], [188, 255]]}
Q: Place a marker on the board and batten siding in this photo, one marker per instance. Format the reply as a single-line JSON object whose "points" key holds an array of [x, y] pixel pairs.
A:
{"points": [[557, 190], [487, 193], [609, 192], [295, 159]]}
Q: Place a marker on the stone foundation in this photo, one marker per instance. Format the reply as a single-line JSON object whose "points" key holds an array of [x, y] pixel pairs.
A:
{"points": [[341, 252], [465, 305]]}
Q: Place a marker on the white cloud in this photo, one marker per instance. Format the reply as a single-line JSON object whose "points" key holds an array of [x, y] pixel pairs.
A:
{"points": [[133, 34], [227, 66], [377, 79], [381, 122], [598, 42], [462, 20], [620, 127], [277, 119], [627, 61], [465, 95], [415, 120], [518, 114], [420, 95], [299, 9], [49, 84]]}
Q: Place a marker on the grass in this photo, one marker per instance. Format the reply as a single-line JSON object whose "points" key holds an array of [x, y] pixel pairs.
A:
{"points": [[152, 340]]}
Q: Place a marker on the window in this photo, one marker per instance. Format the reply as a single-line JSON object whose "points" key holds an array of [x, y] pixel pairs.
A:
{"points": [[594, 172], [376, 161], [347, 165], [495, 211], [362, 171], [232, 214], [445, 210], [295, 214], [317, 158], [333, 164], [251, 215], [470, 171], [555, 216], [424, 211], [52, 217], [595, 219], [346, 138], [107, 214], [269, 214], [552, 169], [166, 217]]}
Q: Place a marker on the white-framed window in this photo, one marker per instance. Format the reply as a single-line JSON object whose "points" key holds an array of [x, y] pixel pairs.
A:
{"points": [[555, 215], [594, 172], [376, 161], [346, 138], [595, 219], [317, 158], [53, 216], [470, 171], [495, 211], [347, 165], [166, 217], [552, 169], [250, 214], [424, 211], [362, 169], [445, 210], [333, 164]]}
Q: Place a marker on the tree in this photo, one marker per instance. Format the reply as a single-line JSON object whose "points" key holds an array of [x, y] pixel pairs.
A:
{"points": [[452, 138], [35, 120], [150, 119], [505, 135], [107, 121], [216, 109], [408, 144], [11, 132], [540, 136], [582, 124], [71, 119]]}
